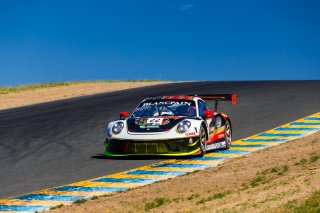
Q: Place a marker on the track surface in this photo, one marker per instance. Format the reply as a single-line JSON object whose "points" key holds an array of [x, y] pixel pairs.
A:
{"points": [[56, 143]]}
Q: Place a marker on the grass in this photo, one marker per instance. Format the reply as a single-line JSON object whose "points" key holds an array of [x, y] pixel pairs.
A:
{"points": [[265, 176], [56, 207], [193, 196], [314, 157], [156, 203], [7, 90], [213, 197], [311, 205], [80, 201]]}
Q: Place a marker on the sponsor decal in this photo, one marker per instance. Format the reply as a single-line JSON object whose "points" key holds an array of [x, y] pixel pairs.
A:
{"points": [[219, 145], [221, 136], [148, 127], [154, 121], [168, 103], [190, 134]]}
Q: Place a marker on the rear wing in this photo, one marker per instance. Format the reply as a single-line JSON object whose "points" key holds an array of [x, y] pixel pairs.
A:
{"points": [[219, 97]]}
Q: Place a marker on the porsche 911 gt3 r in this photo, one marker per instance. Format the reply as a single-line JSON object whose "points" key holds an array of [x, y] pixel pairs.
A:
{"points": [[171, 126]]}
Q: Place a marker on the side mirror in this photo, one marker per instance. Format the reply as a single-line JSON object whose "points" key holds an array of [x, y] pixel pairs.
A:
{"points": [[208, 114], [123, 115]]}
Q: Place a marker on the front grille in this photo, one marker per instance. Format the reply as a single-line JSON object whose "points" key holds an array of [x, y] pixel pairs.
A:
{"points": [[148, 147]]}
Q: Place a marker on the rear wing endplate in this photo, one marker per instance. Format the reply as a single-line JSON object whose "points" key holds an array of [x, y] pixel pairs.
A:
{"points": [[219, 97]]}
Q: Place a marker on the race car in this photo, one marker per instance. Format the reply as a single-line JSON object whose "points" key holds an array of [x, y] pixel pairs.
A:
{"points": [[182, 125]]}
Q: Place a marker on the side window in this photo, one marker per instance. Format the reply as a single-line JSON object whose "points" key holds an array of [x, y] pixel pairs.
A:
{"points": [[202, 107]]}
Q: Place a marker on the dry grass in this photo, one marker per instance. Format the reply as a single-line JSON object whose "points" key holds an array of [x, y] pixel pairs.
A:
{"points": [[38, 93]]}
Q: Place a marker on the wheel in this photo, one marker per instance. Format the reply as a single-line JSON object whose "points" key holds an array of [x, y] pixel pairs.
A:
{"points": [[203, 141], [227, 134]]}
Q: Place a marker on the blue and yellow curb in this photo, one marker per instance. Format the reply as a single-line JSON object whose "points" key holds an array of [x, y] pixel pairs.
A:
{"points": [[45, 199]]}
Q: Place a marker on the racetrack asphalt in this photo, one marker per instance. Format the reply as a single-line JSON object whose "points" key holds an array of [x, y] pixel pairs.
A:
{"points": [[55, 143]]}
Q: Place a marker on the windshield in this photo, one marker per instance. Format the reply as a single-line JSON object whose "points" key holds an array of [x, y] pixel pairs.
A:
{"points": [[167, 108]]}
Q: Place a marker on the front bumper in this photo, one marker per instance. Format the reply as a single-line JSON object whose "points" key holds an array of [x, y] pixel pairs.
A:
{"points": [[172, 147]]}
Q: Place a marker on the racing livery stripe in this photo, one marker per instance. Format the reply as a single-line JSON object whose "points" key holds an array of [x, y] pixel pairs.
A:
{"points": [[122, 181]]}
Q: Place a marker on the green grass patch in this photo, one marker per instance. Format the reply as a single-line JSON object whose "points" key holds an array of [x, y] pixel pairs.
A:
{"points": [[79, 201], [156, 203], [314, 157], [20, 88], [259, 179], [310, 205], [56, 207], [265, 176], [213, 197], [193, 196]]}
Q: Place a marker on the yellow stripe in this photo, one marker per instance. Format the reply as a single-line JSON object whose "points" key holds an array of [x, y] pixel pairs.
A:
{"points": [[105, 184], [250, 149], [70, 193], [223, 155], [33, 202], [286, 132], [254, 143], [206, 162], [171, 169], [10, 212], [307, 121], [123, 175]]}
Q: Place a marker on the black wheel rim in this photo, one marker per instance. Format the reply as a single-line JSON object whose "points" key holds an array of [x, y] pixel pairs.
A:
{"points": [[228, 134], [203, 140]]}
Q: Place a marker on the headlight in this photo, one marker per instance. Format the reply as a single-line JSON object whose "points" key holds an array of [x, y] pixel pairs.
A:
{"points": [[183, 126], [117, 127]]}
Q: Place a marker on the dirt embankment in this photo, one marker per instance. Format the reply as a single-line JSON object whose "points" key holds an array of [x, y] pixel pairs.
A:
{"points": [[260, 182], [41, 95]]}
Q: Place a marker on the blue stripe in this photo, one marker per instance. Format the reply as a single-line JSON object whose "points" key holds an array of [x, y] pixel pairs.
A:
{"points": [[250, 145], [148, 172], [206, 158], [226, 151], [89, 189], [305, 123], [281, 135], [263, 140], [126, 180], [312, 118], [176, 165], [49, 197], [23, 208], [296, 129]]}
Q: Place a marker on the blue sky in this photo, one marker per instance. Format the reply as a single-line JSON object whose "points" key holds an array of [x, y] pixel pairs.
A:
{"points": [[53, 40]]}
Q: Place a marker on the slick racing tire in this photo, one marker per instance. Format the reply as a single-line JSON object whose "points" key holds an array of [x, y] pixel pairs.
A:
{"points": [[203, 141], [228, 134]]}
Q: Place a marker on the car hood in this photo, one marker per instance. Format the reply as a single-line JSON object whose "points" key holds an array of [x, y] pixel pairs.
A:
{"points": [[153, 124]]}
